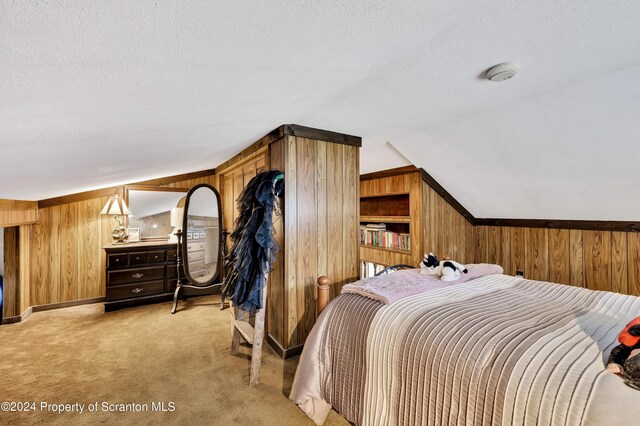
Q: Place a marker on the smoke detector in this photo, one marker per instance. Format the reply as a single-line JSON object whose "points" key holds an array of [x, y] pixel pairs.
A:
{"points": [[502, 72]]}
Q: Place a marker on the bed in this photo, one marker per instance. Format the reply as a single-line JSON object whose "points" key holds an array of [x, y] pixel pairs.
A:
{"points": [[496, 349]]}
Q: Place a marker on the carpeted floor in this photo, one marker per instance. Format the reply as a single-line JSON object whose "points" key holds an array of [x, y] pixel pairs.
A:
{"points": [[141, 355]]}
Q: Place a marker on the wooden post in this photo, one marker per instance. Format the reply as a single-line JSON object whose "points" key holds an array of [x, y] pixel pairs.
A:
{"points": [[323, 293]]}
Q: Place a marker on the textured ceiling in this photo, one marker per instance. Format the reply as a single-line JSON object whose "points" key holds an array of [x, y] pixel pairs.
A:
{"points": [[96, 93]]}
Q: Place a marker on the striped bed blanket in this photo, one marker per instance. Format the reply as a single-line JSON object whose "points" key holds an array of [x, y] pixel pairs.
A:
{"points": [[496, 350]]}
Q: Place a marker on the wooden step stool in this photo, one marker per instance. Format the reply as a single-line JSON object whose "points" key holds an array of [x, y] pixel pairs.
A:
{"points": [[252, 335]]}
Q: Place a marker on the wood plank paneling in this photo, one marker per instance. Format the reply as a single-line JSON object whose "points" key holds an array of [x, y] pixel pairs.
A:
{"points": [[576, 258], [291, 246], [498, 247], [25, 266], [597, 259], [619, 262], [350, 213], [69, 262], [633, 260], [335, 197], [537, 254], [518, 244], [559, 254], [481, 246], [11, 283], [89, 243], [9, 218], [276, 312], [307, 235]]}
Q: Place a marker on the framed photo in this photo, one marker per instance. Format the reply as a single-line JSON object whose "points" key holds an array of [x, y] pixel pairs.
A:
{"points": [[134, 235]]}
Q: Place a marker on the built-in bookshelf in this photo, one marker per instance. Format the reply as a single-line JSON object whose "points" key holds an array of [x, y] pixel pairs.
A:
{"points": [[390, 219]]}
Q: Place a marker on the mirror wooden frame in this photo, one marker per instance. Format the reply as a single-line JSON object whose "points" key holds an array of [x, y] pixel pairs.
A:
{"points": [[183, 250]]}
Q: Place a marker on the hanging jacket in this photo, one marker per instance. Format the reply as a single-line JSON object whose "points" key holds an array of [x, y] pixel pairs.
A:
{"points": [[253, 250]]}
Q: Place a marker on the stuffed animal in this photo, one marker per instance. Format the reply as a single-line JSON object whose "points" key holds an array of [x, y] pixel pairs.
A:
{"points": [[447, 270], [625, 358]]}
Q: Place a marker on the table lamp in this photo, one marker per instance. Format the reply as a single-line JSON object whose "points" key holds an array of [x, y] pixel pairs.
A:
{"points": [[117, 207]]}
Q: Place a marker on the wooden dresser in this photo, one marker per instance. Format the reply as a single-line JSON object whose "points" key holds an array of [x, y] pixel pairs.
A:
{"points": [[140, 273]]}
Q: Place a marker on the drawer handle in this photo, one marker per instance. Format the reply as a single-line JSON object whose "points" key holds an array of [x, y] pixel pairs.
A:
{"points": [[137, 290], [189, 247], [117, 260], [137, 275], [155, 257]]}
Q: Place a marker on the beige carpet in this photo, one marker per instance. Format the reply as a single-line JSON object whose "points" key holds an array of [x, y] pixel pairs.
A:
{"points": [[142, 355]]}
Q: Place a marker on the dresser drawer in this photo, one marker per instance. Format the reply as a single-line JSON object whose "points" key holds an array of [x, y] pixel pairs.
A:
{"points": [[135, 275], [196, 255], [117, 259], [172, 255], [195, 246], [135, 290], [139, 258], [156, 256]]}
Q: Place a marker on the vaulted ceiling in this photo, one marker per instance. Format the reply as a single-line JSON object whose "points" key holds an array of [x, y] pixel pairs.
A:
{"points": [[96, 93]]}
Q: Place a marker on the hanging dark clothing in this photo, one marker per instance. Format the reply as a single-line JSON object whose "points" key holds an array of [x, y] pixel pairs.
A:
{"points": [[253, 251]]}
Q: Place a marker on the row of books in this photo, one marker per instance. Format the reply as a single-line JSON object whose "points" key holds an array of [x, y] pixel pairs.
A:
{"points": [[376, 235]]}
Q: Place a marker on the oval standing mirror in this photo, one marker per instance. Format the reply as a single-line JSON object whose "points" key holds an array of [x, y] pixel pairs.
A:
{"points": [[201, 239]]}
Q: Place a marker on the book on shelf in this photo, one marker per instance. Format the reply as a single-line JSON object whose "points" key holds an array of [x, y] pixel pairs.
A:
{"points": [[377, 226], [383, 238]]}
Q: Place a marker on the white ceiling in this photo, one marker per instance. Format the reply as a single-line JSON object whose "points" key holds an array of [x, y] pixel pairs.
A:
{"points": [[96, 93]]}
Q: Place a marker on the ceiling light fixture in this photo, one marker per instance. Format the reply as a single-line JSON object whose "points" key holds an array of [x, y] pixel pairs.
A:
{"points": [[502, 72]]}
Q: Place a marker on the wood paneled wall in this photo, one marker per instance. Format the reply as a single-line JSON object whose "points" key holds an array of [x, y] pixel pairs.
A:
{"points": [[10, 296], [62, 255], [317, 232], [320, 230], [17, 212], [233, 180], [598, 260], [446, 232]]}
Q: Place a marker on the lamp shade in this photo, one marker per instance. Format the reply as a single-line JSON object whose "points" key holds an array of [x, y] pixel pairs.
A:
{"points": [[177, 213], [117, 206]]}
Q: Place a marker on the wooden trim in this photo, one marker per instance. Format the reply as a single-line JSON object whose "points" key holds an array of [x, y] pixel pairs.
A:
{"points": [[593, 225], [280, 351], [17, 319], [137, 187], [112, 190], [81, 196], [61, 305], [429, 180], [405, 170], [11, 205], [49, 307], [321, 135], [176, 178]]}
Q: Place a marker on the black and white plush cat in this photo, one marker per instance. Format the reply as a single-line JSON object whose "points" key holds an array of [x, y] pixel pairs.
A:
{"points": [[447, 270]]}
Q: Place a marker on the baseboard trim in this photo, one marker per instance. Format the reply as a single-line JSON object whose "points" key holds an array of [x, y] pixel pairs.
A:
{"points": [[19, 318], [49, 307], [60, 305], [282, 352]]}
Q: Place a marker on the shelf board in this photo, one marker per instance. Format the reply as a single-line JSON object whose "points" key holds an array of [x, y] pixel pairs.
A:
{"points": [[385, 194], [389, 219], [386, 249]]}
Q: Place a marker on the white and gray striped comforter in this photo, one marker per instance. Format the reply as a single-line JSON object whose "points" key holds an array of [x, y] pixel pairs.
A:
{"points": [[497, 350]]}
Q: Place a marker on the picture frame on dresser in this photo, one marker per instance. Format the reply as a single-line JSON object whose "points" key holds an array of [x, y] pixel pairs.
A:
{"points": [[134, 235]]}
